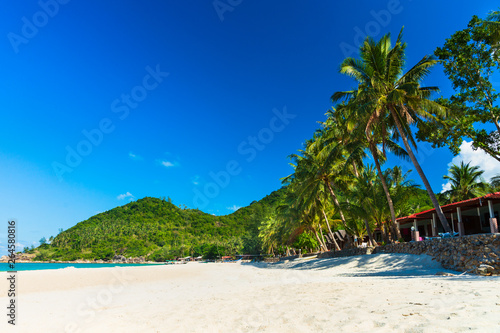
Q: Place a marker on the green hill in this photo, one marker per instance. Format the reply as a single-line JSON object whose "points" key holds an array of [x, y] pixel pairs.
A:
{"points": [[158, 230]]}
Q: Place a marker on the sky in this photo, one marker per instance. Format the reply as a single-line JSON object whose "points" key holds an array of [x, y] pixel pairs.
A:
{"points": [[105, 102]]}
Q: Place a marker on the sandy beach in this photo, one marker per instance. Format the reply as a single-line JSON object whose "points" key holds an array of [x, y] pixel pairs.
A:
{"points": [[377, 293]]}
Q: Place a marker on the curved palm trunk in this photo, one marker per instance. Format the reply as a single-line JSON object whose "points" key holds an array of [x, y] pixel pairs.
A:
{"points": [[337, 247], [395, 230], [369, 231], [321, 245], [336, 202], [435, 203], [323, 239], [385, 233], [355, 169], [349, 242]]}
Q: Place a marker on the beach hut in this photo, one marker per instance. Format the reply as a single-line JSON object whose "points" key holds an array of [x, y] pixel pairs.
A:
{"points": [[473, 216]]}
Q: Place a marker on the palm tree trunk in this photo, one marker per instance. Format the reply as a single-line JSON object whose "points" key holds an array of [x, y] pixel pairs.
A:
{"points": [[385, 233], [428, 187], [396, 233], [349, 241], [336, 202], [323, 239], [355, 169], [322, 246], [337, 247], [369, 231]]}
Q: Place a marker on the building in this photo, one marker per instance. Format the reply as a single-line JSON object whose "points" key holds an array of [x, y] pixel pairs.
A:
{"points": [[472, 216]]}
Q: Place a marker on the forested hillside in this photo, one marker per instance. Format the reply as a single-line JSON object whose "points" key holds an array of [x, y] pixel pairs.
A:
{"points": [[159, 230]]}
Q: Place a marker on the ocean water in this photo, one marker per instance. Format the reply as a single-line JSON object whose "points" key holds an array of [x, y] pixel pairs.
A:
{"points": [[43, 266]]}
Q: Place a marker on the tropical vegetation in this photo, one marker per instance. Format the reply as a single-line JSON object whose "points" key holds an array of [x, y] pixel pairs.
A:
{"points": [[341, 191]]}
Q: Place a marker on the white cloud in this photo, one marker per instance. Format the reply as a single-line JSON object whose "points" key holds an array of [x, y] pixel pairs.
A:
{"points": [[234, 208], [167, 164], [125, 195], [445, 187], [485, 162], [135, 157], [19, 245]]}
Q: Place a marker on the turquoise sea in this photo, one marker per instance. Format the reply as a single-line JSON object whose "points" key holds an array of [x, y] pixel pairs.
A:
{"points": [[43, 266]]}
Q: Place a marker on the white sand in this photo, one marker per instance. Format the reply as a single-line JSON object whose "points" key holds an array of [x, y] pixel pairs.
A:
{"points": [[377, 293]]}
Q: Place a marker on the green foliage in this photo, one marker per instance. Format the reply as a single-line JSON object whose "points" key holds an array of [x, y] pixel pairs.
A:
{"points": [[305, 241], [159, 230], [42, 255], [495, 183], [466, 183], [470, 57]]}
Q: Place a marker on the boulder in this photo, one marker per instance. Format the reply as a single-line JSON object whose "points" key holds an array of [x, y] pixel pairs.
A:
{"points": [[119, 258], [484, 269]]}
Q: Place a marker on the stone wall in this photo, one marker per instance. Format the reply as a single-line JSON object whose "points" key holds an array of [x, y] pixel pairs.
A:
{"points": [[474, 253], [479, 254]]}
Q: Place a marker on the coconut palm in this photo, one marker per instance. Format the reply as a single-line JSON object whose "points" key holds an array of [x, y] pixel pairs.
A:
{"points": [[392, 98], [495, 183], [269, 234], [466, 182], [374, 135], [309, 183], [341, 156], [320, 169], [362, 198]]}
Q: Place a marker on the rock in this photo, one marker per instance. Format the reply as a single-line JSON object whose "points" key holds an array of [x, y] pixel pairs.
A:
{"points": [[484, 269], [119, 258]]}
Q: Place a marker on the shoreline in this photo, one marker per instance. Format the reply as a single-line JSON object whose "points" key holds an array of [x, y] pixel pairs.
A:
{"points": [[381, 292]]}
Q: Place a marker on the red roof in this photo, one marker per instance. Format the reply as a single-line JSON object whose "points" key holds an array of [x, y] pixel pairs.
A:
{"points": [[469, 203]]}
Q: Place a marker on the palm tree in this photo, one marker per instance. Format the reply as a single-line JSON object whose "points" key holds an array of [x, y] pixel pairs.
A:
{"points": [[495, 183], [466, 182], [317, 169], [361, 204], [269, 234], [391, 97], [374, 135], [309, 184], [341, 156]]}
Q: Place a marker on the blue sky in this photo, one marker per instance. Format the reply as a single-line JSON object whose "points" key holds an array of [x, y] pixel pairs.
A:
{"points": [[201, 101]]}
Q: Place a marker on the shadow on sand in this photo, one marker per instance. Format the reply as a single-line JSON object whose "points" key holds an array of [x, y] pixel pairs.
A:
{"points": [[375, 265]]}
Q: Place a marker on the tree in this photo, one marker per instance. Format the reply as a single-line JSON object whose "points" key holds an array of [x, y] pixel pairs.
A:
{"points": [[370, 135], [362, 200], [495, 183], [470, 57], [43, 241], [494, 24], [394, 98], [466, 182]]}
